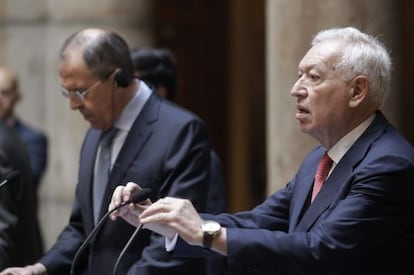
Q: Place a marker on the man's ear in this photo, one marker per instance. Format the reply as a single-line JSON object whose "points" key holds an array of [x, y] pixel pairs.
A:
{"points": [[359, 90], [122, 78]]}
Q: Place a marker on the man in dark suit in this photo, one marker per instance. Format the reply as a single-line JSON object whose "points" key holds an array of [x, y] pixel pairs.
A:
{"points": [[157, 67], [356, 217], [20, 242], [34, 139], [157, 144]]}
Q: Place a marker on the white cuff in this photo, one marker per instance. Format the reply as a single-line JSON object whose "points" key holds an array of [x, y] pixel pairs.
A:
{"points": [[170, 244]]}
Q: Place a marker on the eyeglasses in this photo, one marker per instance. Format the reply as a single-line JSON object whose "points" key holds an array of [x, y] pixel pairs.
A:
{"points": [[80, 95]]}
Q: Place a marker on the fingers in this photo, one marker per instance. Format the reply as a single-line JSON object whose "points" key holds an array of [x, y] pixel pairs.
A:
{"points": [[116, 197], [121, 194], [168, 216], [130, 188], [18, 271], [157, 211], [167, 210]]}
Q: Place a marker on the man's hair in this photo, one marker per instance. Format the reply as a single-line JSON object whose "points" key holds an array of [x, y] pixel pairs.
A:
{"points": [[103, 51], [157, 68], [362, 54]]}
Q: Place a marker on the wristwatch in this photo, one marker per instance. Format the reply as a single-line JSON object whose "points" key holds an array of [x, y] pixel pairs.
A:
{"points": [[211, 229]]}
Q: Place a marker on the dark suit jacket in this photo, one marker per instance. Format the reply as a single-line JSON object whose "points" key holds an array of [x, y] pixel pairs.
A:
{"points": [[167, 150], [362, 222], [36, 144], [20, 242]]}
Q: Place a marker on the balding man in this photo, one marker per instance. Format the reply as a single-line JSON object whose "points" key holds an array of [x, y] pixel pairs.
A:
{"points": [[348, 209], [156, 143], [34, 139]]}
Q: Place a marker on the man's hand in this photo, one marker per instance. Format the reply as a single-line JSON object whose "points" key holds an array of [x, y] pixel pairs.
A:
{"points": [[167, 216], [35, 269], [174, 215], [129, 212]]}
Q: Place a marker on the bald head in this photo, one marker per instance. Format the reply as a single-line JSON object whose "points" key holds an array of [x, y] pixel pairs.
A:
{"points": [[79, 41], [9, 94]]}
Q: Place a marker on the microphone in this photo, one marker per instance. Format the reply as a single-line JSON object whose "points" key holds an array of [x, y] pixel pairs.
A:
{"points": [[138, 197], [12, 175]]}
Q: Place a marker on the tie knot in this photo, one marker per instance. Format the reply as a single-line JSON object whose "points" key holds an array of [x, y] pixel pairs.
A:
{"points": [[108, 135], [324, 166]]}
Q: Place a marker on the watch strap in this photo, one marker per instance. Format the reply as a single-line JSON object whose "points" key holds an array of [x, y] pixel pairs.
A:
{"points": [[207, 240]]}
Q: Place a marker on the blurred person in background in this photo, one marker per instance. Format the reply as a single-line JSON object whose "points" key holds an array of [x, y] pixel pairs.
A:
{"points": [[35, 140], [20, 239]]}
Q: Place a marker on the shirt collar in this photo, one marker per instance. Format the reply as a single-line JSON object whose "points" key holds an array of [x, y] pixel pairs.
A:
{"points": [[134, 107], [343, 145]]}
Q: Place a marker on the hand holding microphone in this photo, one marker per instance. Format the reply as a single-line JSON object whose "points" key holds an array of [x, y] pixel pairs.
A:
{"points": [[122, 196], [137, 197]]}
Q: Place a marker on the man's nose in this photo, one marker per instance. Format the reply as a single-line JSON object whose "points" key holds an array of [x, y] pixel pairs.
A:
{"points": [[74, 103]]}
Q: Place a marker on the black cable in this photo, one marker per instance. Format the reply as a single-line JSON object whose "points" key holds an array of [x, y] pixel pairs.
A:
{"points": [[125, 248], [140, 196], [12, 175]]}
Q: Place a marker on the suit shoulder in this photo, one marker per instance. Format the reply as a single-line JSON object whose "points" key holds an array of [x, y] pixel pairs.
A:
{"points": [[172, 110], [394, 143], [26, 131]]}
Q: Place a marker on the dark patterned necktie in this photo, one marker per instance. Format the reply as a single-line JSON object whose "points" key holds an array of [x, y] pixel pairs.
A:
{"points": [[102, 171]]}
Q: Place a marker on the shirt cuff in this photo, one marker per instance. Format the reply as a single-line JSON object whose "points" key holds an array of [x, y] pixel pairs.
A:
{"points": [[170, 244]]}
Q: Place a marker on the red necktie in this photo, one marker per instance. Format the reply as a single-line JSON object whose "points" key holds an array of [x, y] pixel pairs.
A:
{"points": [[321, 173]]}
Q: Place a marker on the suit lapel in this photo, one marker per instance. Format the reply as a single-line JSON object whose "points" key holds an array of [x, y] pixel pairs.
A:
{"points": [[328, 194], [304, 183], [86, 167], [337, 185], [138, 136]]}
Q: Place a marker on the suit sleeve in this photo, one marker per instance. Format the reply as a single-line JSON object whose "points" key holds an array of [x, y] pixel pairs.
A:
{"points": [[371, 213], [377, 208], [272, 214], [59, 258]]}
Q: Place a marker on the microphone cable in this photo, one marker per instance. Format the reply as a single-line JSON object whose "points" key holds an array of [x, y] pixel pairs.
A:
{"points": [[12, 175], [118, 260], [141, 195]]}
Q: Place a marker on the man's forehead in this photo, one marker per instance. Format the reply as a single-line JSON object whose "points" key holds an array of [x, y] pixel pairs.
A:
{"points": [[73, 58], [72, 70], [322, 54]]}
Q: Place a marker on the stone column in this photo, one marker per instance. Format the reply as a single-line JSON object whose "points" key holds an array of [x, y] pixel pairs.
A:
{"points": [[291, 25], [32, 33]]}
